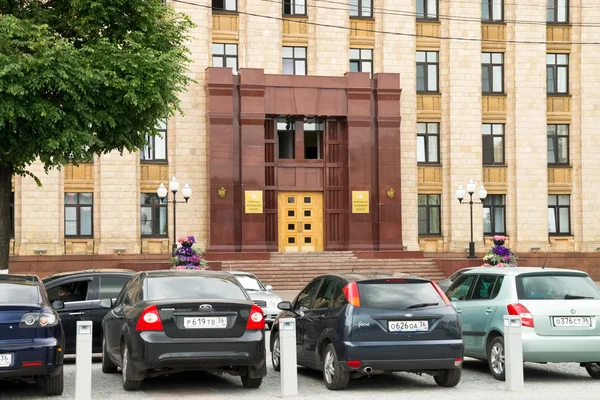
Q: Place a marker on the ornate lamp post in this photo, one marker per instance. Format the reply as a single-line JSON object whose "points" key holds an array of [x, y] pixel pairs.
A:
{"points": [[460, 195], [174, 187]]}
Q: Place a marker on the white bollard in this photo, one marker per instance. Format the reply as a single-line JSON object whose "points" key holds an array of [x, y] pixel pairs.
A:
{"points": [[3, 271], [287, 357], [513, 352], [83, 361]]}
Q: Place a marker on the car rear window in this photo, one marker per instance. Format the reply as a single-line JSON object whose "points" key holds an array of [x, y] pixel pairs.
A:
{"points": [[193, 287], [555, 287], [19, 293], [397, 296]]}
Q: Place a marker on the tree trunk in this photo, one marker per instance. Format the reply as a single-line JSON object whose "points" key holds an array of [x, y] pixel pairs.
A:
{"points": [[6, 172]]}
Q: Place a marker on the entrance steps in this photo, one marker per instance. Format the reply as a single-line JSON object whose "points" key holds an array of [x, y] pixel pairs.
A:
{"points": [[292, 271]]}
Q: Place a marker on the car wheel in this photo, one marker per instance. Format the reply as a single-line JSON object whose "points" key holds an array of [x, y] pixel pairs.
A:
{"points": [[53, 385], [276, 353], [128, 384], [334, 376], [108, 367], [496, 358], [251, 383], [594, 370], [448, 377]]}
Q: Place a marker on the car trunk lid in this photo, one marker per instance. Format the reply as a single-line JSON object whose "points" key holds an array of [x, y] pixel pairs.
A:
{"points": [[10, 321]]}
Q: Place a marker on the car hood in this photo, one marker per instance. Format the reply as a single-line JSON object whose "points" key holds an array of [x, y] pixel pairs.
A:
{"points": [[266, 296]]}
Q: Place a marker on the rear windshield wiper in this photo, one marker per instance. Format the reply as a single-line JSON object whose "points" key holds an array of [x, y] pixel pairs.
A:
{"points": [[572, 297], [421, 305]]}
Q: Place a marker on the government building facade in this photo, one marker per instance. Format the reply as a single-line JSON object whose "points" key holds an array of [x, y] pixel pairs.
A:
{"points": [[348, 125]]}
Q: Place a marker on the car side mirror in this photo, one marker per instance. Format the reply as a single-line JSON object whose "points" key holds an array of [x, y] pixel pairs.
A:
{"points": [[285, 306], [58, 304], [106, 303], [269, 288]]}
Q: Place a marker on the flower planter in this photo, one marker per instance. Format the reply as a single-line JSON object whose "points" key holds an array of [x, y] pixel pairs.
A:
{"points": [[499, 242]]}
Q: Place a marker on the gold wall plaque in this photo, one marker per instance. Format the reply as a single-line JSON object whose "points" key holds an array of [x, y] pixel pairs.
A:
{"points": [[254, 201], [222, 191], [391, 193], [360, 202]]}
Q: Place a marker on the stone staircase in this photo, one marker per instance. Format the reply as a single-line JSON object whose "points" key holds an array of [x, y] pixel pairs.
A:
{"points": [[292, 271]]}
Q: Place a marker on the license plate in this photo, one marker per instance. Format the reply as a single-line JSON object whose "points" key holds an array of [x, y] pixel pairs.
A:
{"points": [[5, 360], [408, 326], [573, 321], [205, 322]]}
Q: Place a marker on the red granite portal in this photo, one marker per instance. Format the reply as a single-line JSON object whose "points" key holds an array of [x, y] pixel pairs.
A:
{"points": [[358, 149]]}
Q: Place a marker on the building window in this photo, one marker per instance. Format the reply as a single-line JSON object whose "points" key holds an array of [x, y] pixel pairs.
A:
{"points": [[224, 5], [557, 11], [361, 60], [361, 8], [559, 214], [294, 7], [153, 215], [492, 72], [557, 73], [12, 214], [492, 10], [286, 143], [493, 144], [494, 215], [427, 71], [429, 214], [79, 214], [313, 139], [428, 143], [225, 55], [558, 144], [294, 60], [427, 9], [156, 147]]}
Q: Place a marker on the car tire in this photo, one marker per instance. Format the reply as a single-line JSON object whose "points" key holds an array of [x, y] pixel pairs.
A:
{"points": [[108, 367], [276, 353], [128, 383], [251, 383], [496, 358], [53, 385], [594, 370], [448, 377], [334, 376]]}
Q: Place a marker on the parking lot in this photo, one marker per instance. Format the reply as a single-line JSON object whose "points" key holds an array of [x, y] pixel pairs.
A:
{"points": [[556, 381]]}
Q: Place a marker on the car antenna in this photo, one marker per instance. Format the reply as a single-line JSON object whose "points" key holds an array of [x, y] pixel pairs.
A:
{"points": [[547, 253], [355, 262]]}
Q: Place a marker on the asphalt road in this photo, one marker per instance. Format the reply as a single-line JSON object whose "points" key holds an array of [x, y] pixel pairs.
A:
{"points": [[555, 381]]}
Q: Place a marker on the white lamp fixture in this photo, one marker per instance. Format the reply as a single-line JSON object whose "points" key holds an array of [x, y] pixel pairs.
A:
{"points": [[471, 187], [460, 193], [161, 191], [482, 193], [174, 185], [187, 192]]}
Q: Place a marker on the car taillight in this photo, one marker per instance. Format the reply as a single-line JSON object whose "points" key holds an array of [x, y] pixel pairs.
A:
{"points": [[441, 293], [256, 320], [351, 293], [523, 312], [34, 320], [149, 320]]}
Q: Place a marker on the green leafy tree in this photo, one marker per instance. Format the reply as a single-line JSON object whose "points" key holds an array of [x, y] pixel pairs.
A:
{"points": [[83, 77]]}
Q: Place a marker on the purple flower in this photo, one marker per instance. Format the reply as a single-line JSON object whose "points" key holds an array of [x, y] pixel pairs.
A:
{"points": [[501, 251]]}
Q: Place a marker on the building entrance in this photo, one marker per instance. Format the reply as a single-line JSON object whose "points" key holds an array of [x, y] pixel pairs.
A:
{"points": [[300, 221]]}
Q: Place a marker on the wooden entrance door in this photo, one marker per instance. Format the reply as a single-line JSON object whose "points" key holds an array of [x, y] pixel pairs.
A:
{"points": [[300, 221]]}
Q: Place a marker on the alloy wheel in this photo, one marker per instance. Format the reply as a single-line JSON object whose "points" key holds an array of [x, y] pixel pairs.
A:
{"points": [[329, 368], [497, 358], [276, 352]]}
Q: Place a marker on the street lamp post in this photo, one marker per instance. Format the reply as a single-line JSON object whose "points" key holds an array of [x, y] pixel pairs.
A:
{"points": [[174, 187], [460, 195]]}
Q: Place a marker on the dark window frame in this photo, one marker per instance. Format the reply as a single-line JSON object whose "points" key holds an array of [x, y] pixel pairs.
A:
{"points": [[294, 59], [425, 65], [428, 208], [425, 8], [155, 211], [490, 68], [493, 208], [491, 137], [490, 10], [151, 146], [555, 68], [360, 10], [223, 56], [554, 9], [556, 210], [426, 136], [292, 5], [360, 60], [78, 208], [555, 139], [223, 10]]}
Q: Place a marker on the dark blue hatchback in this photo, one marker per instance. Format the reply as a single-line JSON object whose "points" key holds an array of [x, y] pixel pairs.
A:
{"points": [[31, 334]]}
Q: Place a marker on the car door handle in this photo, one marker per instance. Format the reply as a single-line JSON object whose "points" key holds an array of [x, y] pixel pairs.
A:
{"points": [[489, 310], [76, 313]]}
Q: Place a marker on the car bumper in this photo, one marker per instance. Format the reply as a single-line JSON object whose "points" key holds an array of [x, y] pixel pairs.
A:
{"points": [[155, 350], [40, 350], [404, 356], [270, 313], [557, 349]]}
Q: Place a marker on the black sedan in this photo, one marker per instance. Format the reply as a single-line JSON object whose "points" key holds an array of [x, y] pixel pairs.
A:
{"points": [[165, 322]]}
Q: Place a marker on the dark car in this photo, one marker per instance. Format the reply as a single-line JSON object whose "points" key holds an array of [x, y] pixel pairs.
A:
{"points": [[81, 292], [352, 325], [31, 335], [165, 322]]}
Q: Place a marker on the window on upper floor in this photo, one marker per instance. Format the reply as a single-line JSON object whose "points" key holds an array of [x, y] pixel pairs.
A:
{"points": [[361, 60], [361, 8], [156, 146], [558, 144], [224, 5], [559, 214], [428, 142], [294, 60], [313, 139], [557, 73], [492, 10], [225, 55], [294, 7], [429, 214], [493, 144], [427, 9], [79, 214], [492, 73], [427, 71], [494, 214], [286, 138], [557, 11]]}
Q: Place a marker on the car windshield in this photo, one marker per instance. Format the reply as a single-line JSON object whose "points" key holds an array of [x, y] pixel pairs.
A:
{"points": [[193, 287], [250, 283], [394, 296], [556, 287], [19, 293]]}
